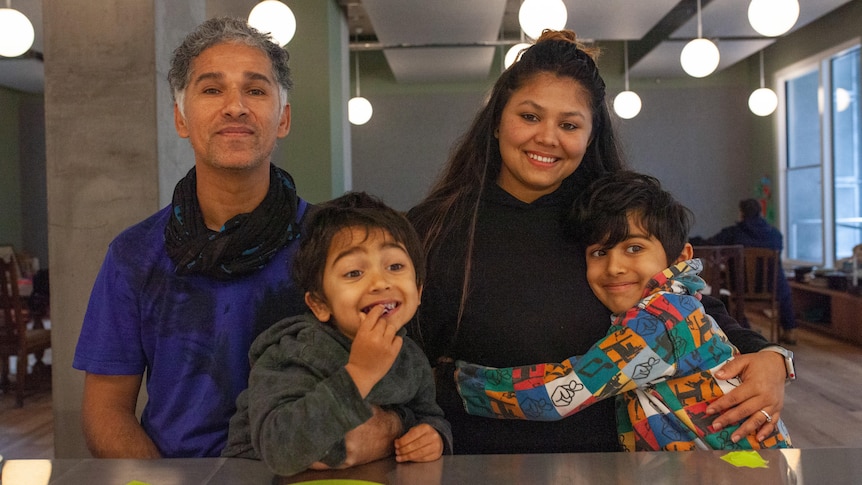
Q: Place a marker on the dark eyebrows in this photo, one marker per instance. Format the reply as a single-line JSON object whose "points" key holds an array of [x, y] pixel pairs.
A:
{"points": [[537, 107], [207, 76], [217, 76], [388, 244], [347, 252], [636, 235], [256, 76]]}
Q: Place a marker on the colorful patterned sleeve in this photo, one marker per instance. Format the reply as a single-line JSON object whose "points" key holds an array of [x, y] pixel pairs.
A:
{"points": [[666, 334]]}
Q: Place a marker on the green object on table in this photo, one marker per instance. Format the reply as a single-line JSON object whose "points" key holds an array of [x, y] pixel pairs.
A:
{"points": [[137, 482], [338, 481], [747, 459]]}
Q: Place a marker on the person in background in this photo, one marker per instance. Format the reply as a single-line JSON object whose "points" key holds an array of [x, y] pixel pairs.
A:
{"points": [[662, 352], [753, 231], [181, 295], [315, 377], [506, 285]]}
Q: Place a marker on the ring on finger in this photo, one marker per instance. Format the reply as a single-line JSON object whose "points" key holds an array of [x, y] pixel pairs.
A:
{"points": [[768, 417]]}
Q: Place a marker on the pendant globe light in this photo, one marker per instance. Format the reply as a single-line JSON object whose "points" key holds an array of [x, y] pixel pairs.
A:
{"points": [[700, 57], [514, 53], [627, 104], [359, 109], [274, 18], [16, 32], [538, 15], [763, 101], [773, 17]]}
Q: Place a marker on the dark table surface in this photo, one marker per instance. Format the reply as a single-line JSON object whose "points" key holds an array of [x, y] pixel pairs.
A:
{"points": [[809, 466]]}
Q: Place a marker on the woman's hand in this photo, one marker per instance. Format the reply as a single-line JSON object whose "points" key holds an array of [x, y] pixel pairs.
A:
{"points": [[763, 375]]}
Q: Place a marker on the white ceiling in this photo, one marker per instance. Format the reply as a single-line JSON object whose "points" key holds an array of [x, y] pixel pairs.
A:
{"points": [[427, 23], [403, 23], [455, 40]]}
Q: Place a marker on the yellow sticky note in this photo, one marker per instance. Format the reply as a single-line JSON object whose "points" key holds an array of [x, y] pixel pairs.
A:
{"points": [[748, 459], [137, 482]]}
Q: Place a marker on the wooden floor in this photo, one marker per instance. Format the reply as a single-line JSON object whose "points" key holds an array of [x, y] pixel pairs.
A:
{"points": [[822, 409], [27, 432]]}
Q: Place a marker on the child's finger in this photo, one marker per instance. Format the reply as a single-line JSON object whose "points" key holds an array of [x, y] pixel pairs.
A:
{"points": [[419, 443], [410, 436], [425, 449], [370, 320]]}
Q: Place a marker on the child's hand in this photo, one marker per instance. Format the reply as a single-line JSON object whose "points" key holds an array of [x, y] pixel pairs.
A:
{"points": [[374, 350], [420, 443]]}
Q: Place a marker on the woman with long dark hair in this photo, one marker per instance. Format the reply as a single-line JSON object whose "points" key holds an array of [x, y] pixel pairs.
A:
{"points": [[506, 284]]}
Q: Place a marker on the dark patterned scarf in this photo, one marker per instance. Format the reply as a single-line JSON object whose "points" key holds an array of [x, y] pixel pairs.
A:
{"points": [[244, 244]]}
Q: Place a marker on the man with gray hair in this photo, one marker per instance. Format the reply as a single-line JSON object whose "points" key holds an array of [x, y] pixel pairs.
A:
{"points": [[182, 294]]}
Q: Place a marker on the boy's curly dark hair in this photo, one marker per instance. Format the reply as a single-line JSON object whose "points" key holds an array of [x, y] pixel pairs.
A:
{"points": [[600, 214], [353, 209]]}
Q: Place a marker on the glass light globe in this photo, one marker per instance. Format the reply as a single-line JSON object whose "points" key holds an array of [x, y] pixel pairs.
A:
{"points": [[763, 102], [627, 104], [699, 58], [773, 17], [274, 18], [359, 110], [514, 53], [538, 15], [16, 33]]}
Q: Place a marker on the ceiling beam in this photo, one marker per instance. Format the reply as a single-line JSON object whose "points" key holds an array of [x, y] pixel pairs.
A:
{"points": [[684, 11]]}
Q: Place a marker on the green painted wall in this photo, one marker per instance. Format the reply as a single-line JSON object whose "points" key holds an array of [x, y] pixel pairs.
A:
{"points": [[314, 151]]}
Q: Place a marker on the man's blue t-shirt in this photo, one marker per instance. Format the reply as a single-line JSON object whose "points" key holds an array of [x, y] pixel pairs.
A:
{"points": [[191, 334]]}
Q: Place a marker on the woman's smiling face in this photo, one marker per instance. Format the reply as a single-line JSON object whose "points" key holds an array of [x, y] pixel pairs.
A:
{"points": [[544, 131]]}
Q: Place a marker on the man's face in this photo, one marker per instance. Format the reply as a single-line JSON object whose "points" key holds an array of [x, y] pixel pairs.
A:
{"points": [[232, 111]]}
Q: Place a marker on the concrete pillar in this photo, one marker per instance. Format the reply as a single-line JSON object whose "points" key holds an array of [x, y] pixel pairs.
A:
{"points": [[106, 119]]}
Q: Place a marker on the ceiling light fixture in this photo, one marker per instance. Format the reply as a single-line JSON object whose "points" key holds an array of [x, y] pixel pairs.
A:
{"points": [[700, 57], [763, 101], [274, 18], [16, 32], [514, 53], [359, 109], [538, 15], [773, 17], [627, 104]]}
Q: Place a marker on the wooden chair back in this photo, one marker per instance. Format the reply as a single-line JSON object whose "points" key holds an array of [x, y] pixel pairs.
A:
{"points": [[722, 270], [762, 266], [15, 338]]}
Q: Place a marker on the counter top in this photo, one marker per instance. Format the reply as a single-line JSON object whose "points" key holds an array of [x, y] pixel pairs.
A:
{"points": [[816, 465]]}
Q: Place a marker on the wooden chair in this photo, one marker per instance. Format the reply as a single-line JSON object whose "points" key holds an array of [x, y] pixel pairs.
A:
{"points": [[15, 338], [762, 266], [722, 270]]}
